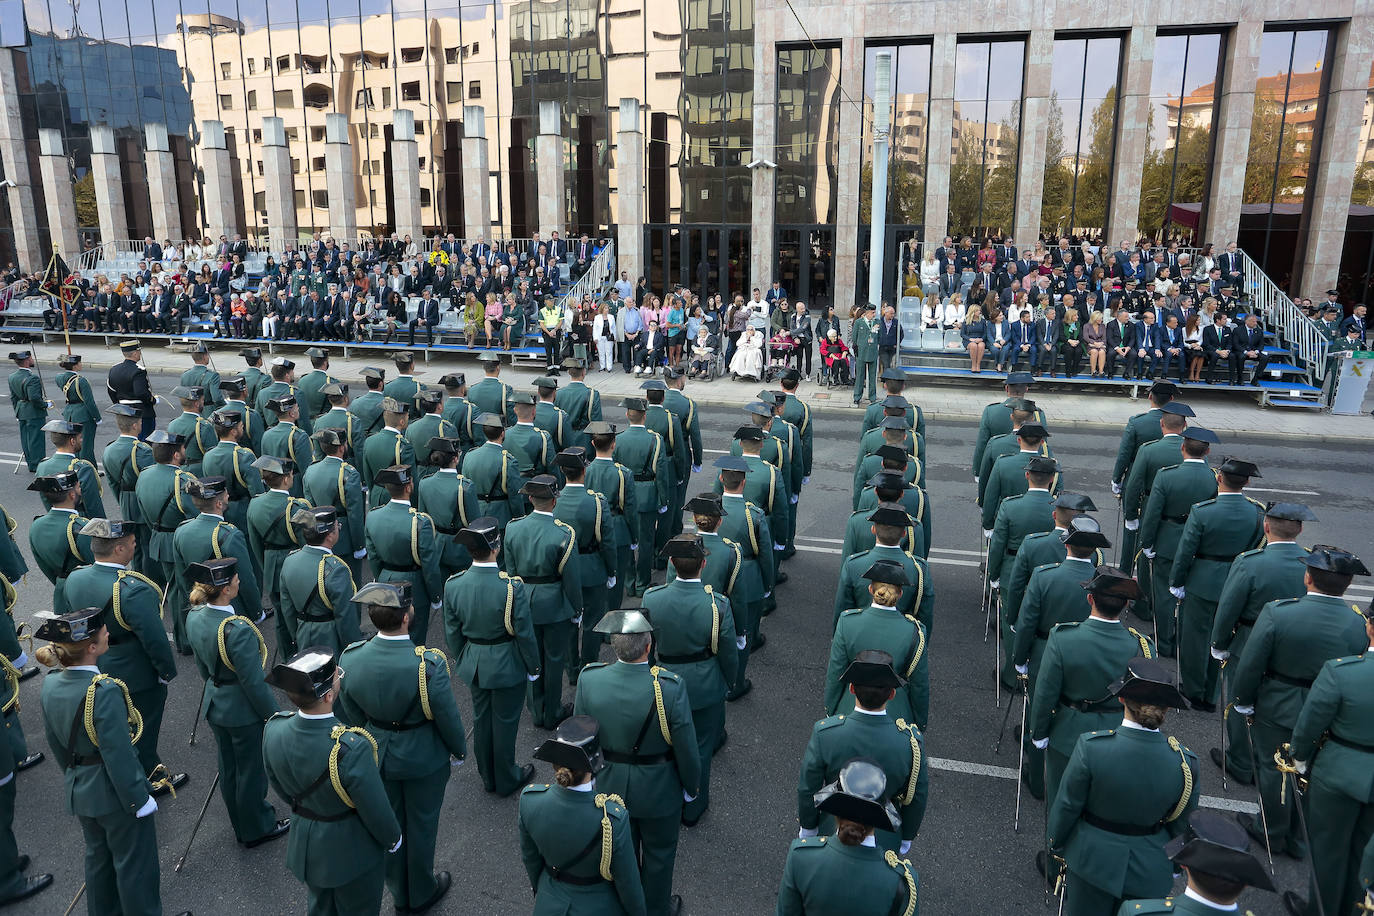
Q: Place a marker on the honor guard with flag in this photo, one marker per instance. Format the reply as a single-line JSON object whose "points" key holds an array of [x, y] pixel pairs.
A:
{"points": [[236, 400], [201, 376], [402, 546], [209, 536], [458, 412], [616, 483], [336, 416], [1218, 530], [650, 747], [30, 405], [55, 537], [1257, 577], [316, 585], [233, 462], [68, 440], [232, 657], [92, 728], [642, 451], [490, 394], [745, 523], [1124, 794], [489, 630], [288, 440], [880, 625], [1173, 494], [80, 407], [1290, 643], [193, 427], [450, 500], [581, 403], [271, 536], [330, 775], [139, 653], [429, 425], [996, 417], [164, 501], [403, 388], [310, 388], [695, 638], [548, 416], [367, 407], [386, 448], [399, 692], [124, 459], [822, 873], [589, 514], [494, 472], [595, 877], [889, 524], [334, 483], [867, 731]]}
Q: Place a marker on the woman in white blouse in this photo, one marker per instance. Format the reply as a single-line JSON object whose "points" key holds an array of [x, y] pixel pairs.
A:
{"points": [[930, 275], [953, 317], [603, 332], [932, 313]]}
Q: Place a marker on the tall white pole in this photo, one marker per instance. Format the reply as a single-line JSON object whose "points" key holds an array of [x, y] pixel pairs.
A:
{"points": [[877, 235]]}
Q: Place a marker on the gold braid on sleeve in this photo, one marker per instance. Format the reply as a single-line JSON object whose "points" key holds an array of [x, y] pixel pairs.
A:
{"points": [[904, 869], [1187, 781], [606, 835], [336, 751], [655, 671], [910, 793]]}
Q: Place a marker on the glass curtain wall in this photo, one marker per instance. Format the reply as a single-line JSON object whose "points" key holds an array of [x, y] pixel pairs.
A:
{"points": [[1184, 87], [1356, 278], [807, 147], [988, 79], [1081, 140]]}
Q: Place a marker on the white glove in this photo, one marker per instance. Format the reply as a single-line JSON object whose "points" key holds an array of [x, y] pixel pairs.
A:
{"points": [[577, 621], [975, 479], [1220, 655], [1023, 669], [1040, 743], [806, 480], [163, 681], [610, 583], [1243, 710], [399, 841], [778, 548], [905, 848], [21, 661], [741, 642], [768, 594], [435, 606], [360, 553], [148, 807], [662, 509], [696, 469], [1132, 524], [455, 762], [1149, 552], [1177, 591], [688, 798], [996, 584], [531, 678], [807, 832], [1116, 488], [987, 534], [634, 546], [792, 499]]}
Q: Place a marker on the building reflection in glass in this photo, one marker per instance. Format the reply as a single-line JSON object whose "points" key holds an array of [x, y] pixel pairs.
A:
{"points": [[1081, 136], [808, 118], [986, 132]]}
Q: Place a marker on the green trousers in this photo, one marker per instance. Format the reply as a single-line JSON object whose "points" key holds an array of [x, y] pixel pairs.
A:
{"points": [[584, 646], [150, 704], [624, 572], [360, 897], [546, 694], [410, 869], [1284, 835], [1084, 899], [1238, 758], [1055, 764], [1163, 604], [644, 561], [747, 617], [865, 370], [709, 722], [121, 865], [31, 442], [656, 845], [1337, 844], [11, 878], [1198, 672], [243, 780], [1142, 607], [496, 722]]}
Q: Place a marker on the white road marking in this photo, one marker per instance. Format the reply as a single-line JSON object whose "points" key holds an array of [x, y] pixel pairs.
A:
{"points": [[1277, 490]]}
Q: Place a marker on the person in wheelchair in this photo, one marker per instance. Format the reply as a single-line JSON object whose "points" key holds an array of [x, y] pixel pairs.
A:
{"points": [[702, 349], [652, 347], [835, 355]]}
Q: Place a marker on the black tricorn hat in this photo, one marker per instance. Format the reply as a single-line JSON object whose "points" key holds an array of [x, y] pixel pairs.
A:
{"points": [[706, 504], [859, 794], [1149, 682], [308, 673], [73, 626], [1112, 582], [1336, 560], [1216, 845], [887, 572], [684, 545], [481, 534], [1084, 531], [574, 746], [217, 573], [872, 668]]}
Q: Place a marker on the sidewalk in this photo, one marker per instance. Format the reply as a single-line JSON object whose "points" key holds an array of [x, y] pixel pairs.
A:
{"points": [[953, 401]]}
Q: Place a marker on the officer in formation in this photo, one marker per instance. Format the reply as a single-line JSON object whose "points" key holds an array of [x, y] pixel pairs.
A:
{"points": [[336, 416], [282, 383], [896, 414], [1140, 430], [1162, 451], [402, 546], [316, 585], [55, 538], [616, 483], [458, 412], [1022, 412], [1214, 854], [123, 460], [889, 523], [429, 425], [1009, 476], [80, 408], [764, 485], [796, 412], [128, 384], [666, 424], [202, 376], [996, 417], [449, 499], [237, 400], [532, 447], [286, 439], [271, 536], [399, 693], [30, 405], [894, 383], [548, 416], [164, 501], [367, 407], [331, 481], [746, 525], [888, 487], [310, 387], [881, 624], [255, 379], [645, 454], [490, 394], [581, 403], [494, 472], [208, 536], [790, 449], [233, 463], [388, 447], [681, 405], [589, 514], [403, 387], [68, 440]]}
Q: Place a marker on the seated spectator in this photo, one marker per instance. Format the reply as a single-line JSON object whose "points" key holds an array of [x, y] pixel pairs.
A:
{"points": [[1216, 347], [472, 318], [653, 345], [1071, 342], [1095, 338], [835, 357], [514, 321], [493, 313], [394, 314], [973, 333], [748, 359], [702, 352]]}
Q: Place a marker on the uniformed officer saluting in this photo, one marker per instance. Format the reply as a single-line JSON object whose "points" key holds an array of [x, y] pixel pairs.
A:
{"points": [[1214, 854], [650, 747], [595, 877], [414, 720], [822, 874], [329, 775], [1125, 792]]}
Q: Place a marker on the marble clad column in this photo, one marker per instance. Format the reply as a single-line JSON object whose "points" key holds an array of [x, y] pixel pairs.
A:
{"points": [[1235, 110], [23, 210], [57, 193], [1128, 170], [849, 155], [162, 182], [279, 184], [1030, 181], [1335, 171], [942, 52], [476, 173], [340, 179], [764, 183], [629, 196], [549, 161], [109, 187], [218, 178]]}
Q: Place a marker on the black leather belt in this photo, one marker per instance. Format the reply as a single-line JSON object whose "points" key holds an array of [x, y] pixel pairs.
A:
{"points": [[387, 567], [84, 760], [1304, 682], [448, 531], [1181, 519], [302, 811], [588, 551], [1117, 827], [645, 478], [1353, 745], [638, 759], [1109, 705], [1011, 552], [220, 682], [158, 528], [703, 655], [1215, 557], [577, 880], [396, 726], [492, 497], [314, 618], [540, 580], [503, 638]]}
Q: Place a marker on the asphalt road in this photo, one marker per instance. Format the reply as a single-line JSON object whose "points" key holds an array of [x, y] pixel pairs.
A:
{"points": [[967, 855]]}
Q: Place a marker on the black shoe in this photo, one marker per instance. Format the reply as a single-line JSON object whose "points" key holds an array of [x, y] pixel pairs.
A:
{"points": [[564, 712], [445, 881], [1256, 831], [759, 642], [526, 777], [185, 651], [1294, 904], [28, 672], [22, 863], [781, 577], [740, 690], [26, 890], [278, 831], [174, 781], [675, 905], [1244, 779], [32, 760], [690, 822], [1202, 705]]}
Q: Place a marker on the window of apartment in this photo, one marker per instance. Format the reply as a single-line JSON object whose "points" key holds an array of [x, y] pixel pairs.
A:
{"points": [[363, 99], [450, 55], [386, 96], [224, 69], [454, 91], [419, 128], [283, 63], [412, 55], [260, 201], [320, 199], [372, 197], [252, 100], [376, 166], [476, 48], [226, 102], [295, 166], [252, 66], [317, 164], [259, 167], [425, 197], [293, 133], [257, 136], [422, 163], [374, 130], [410, 92], [317, 135], [474, 89], [298, 199], [283, 98]]}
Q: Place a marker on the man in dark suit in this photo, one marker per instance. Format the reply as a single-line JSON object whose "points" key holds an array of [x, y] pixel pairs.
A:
{"points": [[950, 281], [174, 317], [1064, 256], [1217, 347], [239, 247], [889, 337], [1247, 342], [557, 247], [1006, 252], [1171, 344], [128, 384], [1121, 344], [1356, 320], [1149, 346], [1048, 332], [1022, 343], [583, 252], [327, 324], [427, 316], [152, 251], [945, 253], [1229, 261], [775, 292]]}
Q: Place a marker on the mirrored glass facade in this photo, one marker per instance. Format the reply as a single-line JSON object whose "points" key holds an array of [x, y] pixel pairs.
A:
{"points": [[1081, 137], [987, 126]]}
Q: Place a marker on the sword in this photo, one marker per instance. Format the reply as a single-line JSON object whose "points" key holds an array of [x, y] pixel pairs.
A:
{"points": [[196, 723], [1006, 717], [1282, 758], [80, 892], [997, 665], [1224, 710], [181, 859], [1264, 818], [1021, 752]]}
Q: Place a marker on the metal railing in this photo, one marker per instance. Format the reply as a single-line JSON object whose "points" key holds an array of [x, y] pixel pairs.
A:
{"points": [[598, 273], [1303, 336]]}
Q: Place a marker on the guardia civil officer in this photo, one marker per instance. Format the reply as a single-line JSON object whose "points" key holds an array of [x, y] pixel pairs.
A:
{"points": [[1008, 476], [685, 409], [996, 417], [233, 462], [489, 394], [197, 431], [271, 536], [458, 412], [336, 416], [746, 525], [328, 773], [888, 487], [616, 483], [489, 631], [1161, 452], [548, 416], [310, 387], [68, 439], [287, 440], [404, 387], [316, 585], [209, 536], [724, 558], [589, 514], [333, 482], [655, 768], [30, 405], [429, 425], [253, 375], [1214, 855], [642, 451], [1141, 429], [124, 459], [367, 407], [1022, 412], [582, 404], [894, 383], [201, 376], [401, 546], [128, 384], [494, 472], [449, 499], [399, 692], [80, 407], [14, 758], [54, 537], [164, 501], [238, 400], [570, 877], [889, 523]]}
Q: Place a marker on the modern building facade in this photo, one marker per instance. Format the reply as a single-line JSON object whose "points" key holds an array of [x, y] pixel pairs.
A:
{"points": [[747, 153]]}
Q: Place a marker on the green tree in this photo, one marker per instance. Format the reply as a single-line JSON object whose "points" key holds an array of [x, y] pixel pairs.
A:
{"points": [[1058, 187], [1363, 192], [1266, 160], [1095, 166], [966, 182]]}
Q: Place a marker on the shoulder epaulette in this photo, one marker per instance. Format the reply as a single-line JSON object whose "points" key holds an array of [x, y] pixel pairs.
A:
{"points": [[861, 553], [1008, 499], [1046, 566], [1256, 551], [668, 675], [810, 842], [1256, 502], [535, 787], [282, 714], [353, 645], [1346, 660], [1143, 907], [1066, 625], [1102, 733], [1280, 602], [1206, 502], [853, 610], [829, 722], [590, 665], [655, 588]]}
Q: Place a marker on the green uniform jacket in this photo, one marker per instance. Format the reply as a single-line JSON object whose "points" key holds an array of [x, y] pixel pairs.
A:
{"points": [[1018, 516], [1172, 497], [685, 409], [230, 656], [27, 397], [450, 500], [1155, 455], [1218, 530], [1004, 444], [615, 482], [288, 441], [915, 417], [822, 873], [139, 651], [918, 536], [589, 514], [80, 403], [995, 421], [317, 591], [556, 824], [252, 421], [256, 379], [582, 404], [642, 451], [1073, 689], [895, 745], [209, 537], [1006, 479], [367, 408], [918, 598], [872, 465], [552, 419], [765, 488], [12, 563], [59, 548], [351, 427], [403, 388], [724, 561], [164, 503], [124, 459], [795, 411], [532, 448], [1127, 776], [308, 386], [496, 476], [790, 441], [390, 693], [274, 390], [746, 525], [1291, 641], [539, 549], [695, 637], [491, 395], [1054, 595], [1340, 708], [329, 853], [91, 504], [864, 340], [1140, 429], [9, 634], [873, 439], [383, 449], [401, 548], [207, 379], [458, 414], [334, 482], [884, 628], [234, 463], [1154, 907], [621, 697], [420, 431], [200, 438], [1037, 549], [1257, 577], [669, 428], [489, 628], [110, 778]]}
